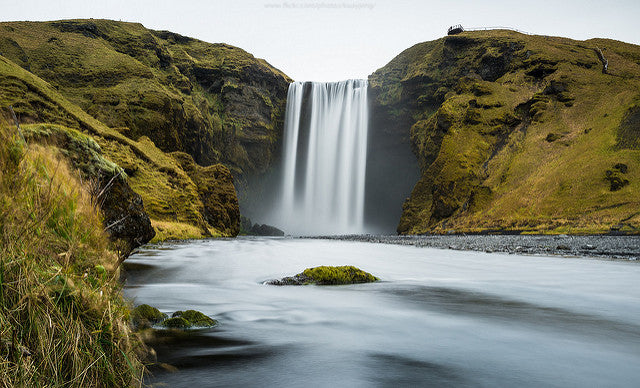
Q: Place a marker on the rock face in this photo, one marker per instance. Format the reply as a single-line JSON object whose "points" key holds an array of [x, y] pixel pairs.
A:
{"points": [[215, 188], [326, 275], [515, 132]]}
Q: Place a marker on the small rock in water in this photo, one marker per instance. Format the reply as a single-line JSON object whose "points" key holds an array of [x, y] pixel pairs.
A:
{"points": [[144, 316], [326, 275], [563, 248], [176, 323], [188, 319], [196, 318]]}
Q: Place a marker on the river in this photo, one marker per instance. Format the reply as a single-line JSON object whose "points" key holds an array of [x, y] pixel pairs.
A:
{"points": [[438, 317]]}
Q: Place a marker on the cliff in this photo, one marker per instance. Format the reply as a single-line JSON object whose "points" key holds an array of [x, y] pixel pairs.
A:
{"points": [[176, 114], [215, 102], [517, 133]]}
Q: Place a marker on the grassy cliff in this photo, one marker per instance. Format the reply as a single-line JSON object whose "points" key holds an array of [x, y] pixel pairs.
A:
{"points": [[213, 101], [63, 321], [517, 133], [176, 114]]}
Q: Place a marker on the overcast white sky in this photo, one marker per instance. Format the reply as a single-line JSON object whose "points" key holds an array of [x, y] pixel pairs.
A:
{"points": [[331, 40]]}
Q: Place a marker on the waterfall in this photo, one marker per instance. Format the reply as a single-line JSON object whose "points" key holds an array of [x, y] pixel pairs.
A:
{"points": [[324, 158]]}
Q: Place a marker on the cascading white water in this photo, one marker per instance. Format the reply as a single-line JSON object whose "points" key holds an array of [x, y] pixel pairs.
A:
{"points": [[325, 153]]}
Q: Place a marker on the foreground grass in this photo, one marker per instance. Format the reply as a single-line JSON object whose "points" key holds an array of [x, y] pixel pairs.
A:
{"points": [[63, 321]]}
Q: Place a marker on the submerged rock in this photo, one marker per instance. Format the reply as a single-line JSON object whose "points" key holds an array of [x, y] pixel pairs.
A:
{"points": [[326, 275]]}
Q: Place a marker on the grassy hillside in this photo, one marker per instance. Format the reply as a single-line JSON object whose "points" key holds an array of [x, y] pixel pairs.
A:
{"points": [[170, 197], [63, 321], [517, 132], [213, 101]]}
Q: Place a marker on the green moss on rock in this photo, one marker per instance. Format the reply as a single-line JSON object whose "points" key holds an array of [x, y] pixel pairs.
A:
{"points": [[176, 323], [327, 275], [145, 316], [195, 318]]}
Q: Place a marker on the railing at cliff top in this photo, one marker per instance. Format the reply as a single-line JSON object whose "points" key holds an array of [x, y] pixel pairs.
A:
{"points": [[497, 28]]}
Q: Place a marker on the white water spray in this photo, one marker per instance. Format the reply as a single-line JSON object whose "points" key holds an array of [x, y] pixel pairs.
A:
{"points": [[325, 154]]}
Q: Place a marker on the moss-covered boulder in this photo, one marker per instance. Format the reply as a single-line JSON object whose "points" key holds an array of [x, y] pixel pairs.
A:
{"points": [[195, 318], [327, 275], [144, 316], [188, 319], [176, 323]]}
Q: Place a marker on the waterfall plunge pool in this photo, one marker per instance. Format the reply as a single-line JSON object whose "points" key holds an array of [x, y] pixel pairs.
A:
{"points": [[437, 318]]}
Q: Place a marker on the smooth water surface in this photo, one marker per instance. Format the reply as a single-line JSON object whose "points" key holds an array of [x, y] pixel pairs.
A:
{"points": [[438, 317]]}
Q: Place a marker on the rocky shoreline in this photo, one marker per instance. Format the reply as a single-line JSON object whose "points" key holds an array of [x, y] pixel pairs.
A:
{"points": [[609, 247]]}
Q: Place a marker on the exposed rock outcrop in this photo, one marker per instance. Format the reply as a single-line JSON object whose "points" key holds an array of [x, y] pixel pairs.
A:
{"points": [[215, 188]]}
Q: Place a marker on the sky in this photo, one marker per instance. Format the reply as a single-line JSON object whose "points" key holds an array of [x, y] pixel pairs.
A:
{"points": [[332, 40]]}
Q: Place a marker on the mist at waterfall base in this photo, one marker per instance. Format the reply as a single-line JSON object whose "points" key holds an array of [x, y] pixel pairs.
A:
{"points": [[337, 172]]}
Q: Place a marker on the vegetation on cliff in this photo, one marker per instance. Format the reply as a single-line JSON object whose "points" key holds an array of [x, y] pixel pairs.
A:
{"points": [[213, 101], [63, 321], [118, 84], [517, 132]]}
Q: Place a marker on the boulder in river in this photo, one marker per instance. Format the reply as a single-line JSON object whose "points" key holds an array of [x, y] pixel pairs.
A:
{"points": [[144, 316], [188, 319], [326, 275]]}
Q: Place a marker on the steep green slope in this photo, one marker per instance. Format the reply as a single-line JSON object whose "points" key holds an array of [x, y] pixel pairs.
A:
{"points": [[170, 197], [517, 132], [213, 101]]}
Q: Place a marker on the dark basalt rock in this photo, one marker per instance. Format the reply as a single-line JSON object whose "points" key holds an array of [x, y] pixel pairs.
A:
{"points": [[615, 177], [124, 216], [265, 230]]}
